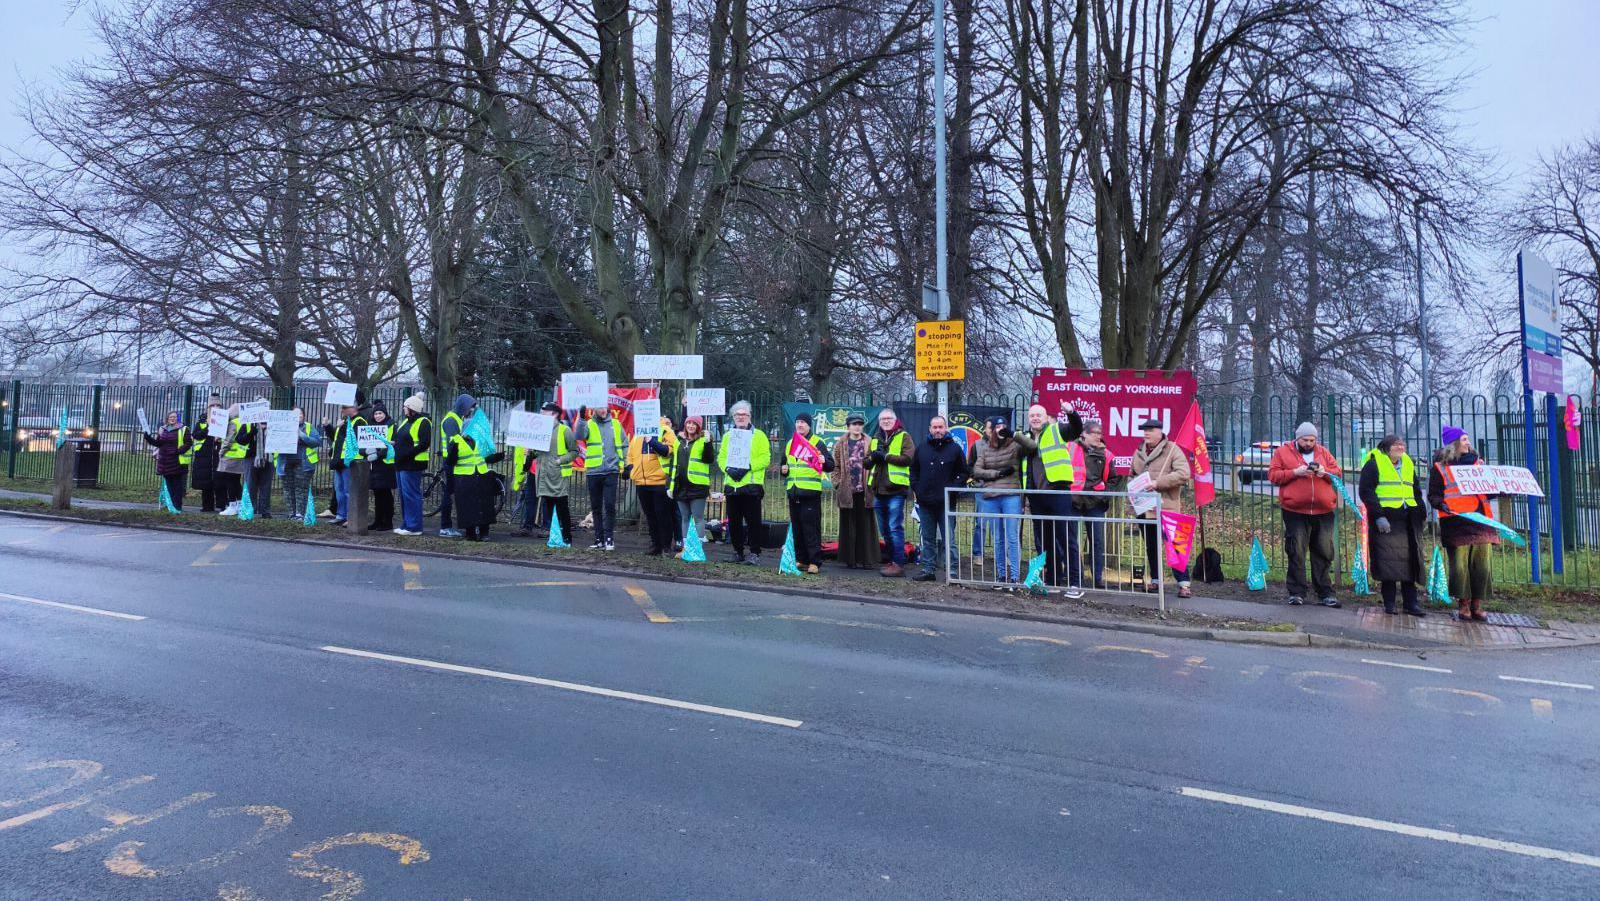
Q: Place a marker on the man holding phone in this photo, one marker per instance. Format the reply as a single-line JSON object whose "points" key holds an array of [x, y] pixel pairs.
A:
{"points": [[1303, 470]]}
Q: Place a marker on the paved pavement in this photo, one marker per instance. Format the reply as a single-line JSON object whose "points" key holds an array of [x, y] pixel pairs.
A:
{"points": [[198, 717]]}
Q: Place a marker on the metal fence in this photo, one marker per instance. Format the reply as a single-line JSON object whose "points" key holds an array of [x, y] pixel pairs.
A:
{"points": [[1242, 431]]}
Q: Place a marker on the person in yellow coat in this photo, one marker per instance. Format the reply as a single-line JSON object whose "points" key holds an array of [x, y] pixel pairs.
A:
{"points": [[647, 468]]}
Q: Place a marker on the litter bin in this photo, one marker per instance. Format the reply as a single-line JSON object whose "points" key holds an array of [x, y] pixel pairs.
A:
{"points": [[86, 462]]}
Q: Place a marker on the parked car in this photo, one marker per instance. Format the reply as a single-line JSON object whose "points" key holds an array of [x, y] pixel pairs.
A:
{"points": [[1252, 462]]}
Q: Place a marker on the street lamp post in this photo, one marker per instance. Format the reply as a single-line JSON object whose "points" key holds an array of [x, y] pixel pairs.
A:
{"points": [[941, 276]]}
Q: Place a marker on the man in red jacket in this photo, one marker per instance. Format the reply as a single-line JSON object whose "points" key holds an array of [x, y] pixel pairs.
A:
{"points": [[1303, 470]]}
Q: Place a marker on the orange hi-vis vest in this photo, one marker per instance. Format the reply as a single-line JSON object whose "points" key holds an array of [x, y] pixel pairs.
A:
{"points": [[1457, 502]]}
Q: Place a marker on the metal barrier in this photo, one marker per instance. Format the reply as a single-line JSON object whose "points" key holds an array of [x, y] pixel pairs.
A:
{"points": [[1116, 554]]}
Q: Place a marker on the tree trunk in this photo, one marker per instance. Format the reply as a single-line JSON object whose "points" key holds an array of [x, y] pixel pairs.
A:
{"points": [[1306, 344]]}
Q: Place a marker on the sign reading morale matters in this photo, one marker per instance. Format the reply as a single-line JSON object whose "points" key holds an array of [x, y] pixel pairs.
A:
{"points": [[941, 350], [254, 412], [647, 417], [340, 394], [530, 430], [665, 367], [371, 437], [283, 432], [706, 401], [585, 389]]}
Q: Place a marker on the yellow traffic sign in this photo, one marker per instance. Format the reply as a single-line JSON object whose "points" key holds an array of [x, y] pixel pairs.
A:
{"points": [[941, 350]]}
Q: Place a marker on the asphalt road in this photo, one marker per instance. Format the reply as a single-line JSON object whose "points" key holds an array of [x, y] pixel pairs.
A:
{"points": [[289, 722]]}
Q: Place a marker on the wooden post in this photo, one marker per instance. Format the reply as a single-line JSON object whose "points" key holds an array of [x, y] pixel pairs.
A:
{"points": [[61, 495], [360, 501]]}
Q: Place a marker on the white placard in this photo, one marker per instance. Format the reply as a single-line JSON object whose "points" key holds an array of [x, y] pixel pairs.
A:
{"points": [[1477, 479], [371, 437], [585, 389], [647, 417], [1516, 480], [217, 422], [647, 367], [706, 401], [254, 412], [739, 448], [144, 421], [1142, 495], [283, 432], [530, 430], [340, 394]]}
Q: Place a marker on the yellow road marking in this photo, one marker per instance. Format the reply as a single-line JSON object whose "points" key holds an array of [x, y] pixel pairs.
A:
{"points": [[651, 611], [1013, 639], [545, 584], [855, 624], [209, 557], [1484, 703], [413, 583], [1190, 664], [1542, 707]]}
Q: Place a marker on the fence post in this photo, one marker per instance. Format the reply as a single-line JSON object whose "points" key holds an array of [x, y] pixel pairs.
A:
{"points": [[94, 408], [13, 435], [188, 406]]}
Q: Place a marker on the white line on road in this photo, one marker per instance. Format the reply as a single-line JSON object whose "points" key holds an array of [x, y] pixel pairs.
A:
{"points": [[569, 686], [1438, 835], [1426, 669], [73, 607], [1582, 686]]}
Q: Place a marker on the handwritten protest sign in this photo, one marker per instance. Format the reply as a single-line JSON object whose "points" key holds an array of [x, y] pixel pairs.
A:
{"points": [[585, 389], [706, 401], [651, 367], [144, 421], [530, 430], [254, 412], [739, 448], [217, 422], [647, 417], [371, 437], [283, 432], [340, 394]]}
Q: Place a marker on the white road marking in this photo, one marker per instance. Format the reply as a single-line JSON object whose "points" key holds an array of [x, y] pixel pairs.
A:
{"points": [[1581, 686], [1426, 669], [73, 607], [1438, 835], [569, 686]]}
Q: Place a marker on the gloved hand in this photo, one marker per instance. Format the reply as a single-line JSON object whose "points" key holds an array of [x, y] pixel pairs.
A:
{"points": [[1383, 525], [737, 474], [495, 458], [627, 472], [875, 457], [372, 456], [1003, 433], [1005, 470]]}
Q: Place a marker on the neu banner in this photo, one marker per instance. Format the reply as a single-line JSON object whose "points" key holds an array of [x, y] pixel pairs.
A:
{"points": [[1119, 399]]}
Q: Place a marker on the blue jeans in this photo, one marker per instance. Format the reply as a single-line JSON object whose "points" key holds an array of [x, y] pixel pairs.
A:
{"points": [[1004, 534], [891, 509], [341, 492], [934, 539], [410, 499]]}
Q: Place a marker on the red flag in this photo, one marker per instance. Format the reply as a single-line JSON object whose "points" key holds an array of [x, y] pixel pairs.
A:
{"points": [[805, 452], [1191, 437]]}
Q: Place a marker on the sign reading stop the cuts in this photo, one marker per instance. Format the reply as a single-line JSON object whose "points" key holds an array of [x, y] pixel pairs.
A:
{"points": [[1119, 399]]}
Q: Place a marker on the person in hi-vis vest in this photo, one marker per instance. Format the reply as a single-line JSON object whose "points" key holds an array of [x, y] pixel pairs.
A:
{"points": [[744, 486], [1389, 489]]}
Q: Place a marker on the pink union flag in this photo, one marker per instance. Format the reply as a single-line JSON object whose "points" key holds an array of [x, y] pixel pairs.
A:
{"points": [[805, 452], [1178, 530]]}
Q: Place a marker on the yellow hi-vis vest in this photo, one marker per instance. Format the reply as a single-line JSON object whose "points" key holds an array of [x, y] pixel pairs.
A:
{"points": [[594, 447], [1056, 455], [898, 475], [421, 454], [468, 461], [699, 472], [237, 449], [760, 459], [445, 434], [519, 460], [185, 447], [1397, 488], [801, 476]]}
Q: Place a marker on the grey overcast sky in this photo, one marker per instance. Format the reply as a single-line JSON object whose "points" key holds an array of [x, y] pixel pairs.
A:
{"points": [[1537, 83]]}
